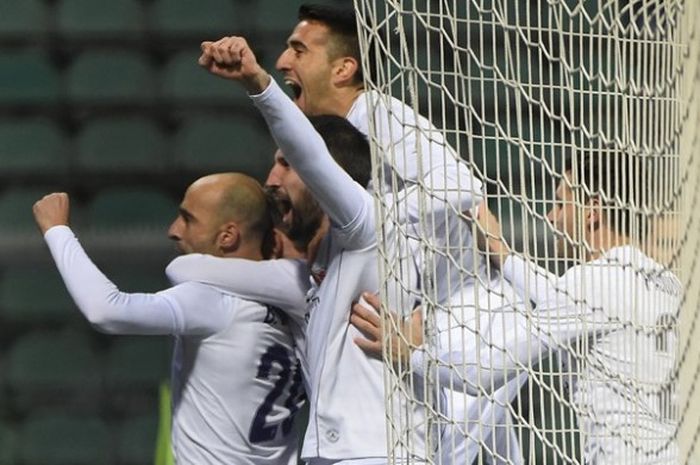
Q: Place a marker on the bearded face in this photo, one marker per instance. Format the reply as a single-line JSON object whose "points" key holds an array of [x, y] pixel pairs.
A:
{"points": [[299, 215]]}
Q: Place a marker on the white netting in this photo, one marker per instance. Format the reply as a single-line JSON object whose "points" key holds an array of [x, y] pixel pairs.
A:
{"points": [[579, 122]]}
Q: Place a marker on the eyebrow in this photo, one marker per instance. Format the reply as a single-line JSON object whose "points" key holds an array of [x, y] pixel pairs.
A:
{"points": [[296, 43], [185, 214]]}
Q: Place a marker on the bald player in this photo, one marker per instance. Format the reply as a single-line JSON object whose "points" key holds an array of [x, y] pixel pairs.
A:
{"points": [[235, 375]]}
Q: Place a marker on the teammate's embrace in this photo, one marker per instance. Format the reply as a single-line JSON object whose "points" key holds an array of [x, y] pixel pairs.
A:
{"points": [[343, 261], [236, 382]]}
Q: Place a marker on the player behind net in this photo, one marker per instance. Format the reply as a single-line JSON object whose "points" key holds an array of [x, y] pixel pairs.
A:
{"points": [[614, 313]]}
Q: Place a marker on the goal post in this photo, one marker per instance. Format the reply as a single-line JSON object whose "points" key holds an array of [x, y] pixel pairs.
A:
{"points": [[556, 107]]}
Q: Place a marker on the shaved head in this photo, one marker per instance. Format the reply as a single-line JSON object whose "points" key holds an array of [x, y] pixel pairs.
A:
{"points": [[216, 200]]}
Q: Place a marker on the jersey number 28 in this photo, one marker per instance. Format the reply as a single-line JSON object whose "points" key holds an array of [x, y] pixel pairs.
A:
{"points": [[260, 430]]}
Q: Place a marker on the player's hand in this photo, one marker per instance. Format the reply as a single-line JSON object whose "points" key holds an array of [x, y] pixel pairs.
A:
{"points": [[489, 236], [52, 210], [232, 58], [407, 334]]}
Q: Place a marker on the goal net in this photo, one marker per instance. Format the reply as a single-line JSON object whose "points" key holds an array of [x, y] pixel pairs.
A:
{"points": [[578, 123]]}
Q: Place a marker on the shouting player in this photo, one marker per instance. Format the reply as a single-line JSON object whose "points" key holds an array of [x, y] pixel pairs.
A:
{"points": [[235, 376], [342, 263], [424, 182]]}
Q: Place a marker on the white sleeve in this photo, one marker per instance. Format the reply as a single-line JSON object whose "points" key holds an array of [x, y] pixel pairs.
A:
{"points": [[481, 354], [190, 308], [282, 283], [569, 306], [433, 176], [347, 204], [498, 347]]}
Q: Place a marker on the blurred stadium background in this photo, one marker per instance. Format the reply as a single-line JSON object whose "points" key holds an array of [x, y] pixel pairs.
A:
{"points": [[103, 99]]}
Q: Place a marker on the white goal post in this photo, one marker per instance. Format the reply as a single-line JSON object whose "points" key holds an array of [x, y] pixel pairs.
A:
{"points": [[568, 114]]}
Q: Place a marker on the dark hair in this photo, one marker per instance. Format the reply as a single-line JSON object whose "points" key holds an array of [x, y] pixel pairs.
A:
{"points": [[341, 23], [348, 146], [617, 180]]}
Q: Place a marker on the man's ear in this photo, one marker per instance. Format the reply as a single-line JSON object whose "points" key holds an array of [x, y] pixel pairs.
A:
{"points": [[344, 70], [230, 236]]}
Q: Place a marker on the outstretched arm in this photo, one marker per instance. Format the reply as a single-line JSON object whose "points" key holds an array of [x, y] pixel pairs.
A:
{"points": [[345, 202], [494, 345], [113, 311], [282, 283]]}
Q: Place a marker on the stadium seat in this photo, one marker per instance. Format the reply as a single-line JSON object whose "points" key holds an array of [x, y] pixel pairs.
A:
{"points": [[8, 445], [131, 209], [23, 19], [27, 78], [135, 367], [275, 17], [34, 146], [149, 278], [111, 77], [185, 82], [16, 210], [60, 439], [136, 439], [53, 369], [35, 295], [127, 145], [201, 19], [100, 19], [211, 143], [139, 362]]}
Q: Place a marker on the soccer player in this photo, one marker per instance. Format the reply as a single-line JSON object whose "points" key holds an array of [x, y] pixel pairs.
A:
{"points": [[235, 376], [321, 65], [343, 263], [614, 312]]}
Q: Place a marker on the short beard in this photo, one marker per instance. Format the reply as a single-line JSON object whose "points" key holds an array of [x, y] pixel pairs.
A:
{"points": [[307, 217], [306, 220]]}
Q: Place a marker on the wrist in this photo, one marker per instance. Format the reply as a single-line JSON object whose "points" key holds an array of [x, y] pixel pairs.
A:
{"points": [[257, 83]]}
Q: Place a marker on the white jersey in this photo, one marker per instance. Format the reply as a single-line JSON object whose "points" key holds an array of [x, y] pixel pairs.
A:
{"points": [[480, 422], [347, 419], [434, 183], [616, 315], [236, 382], [346, 388], [434, 186]]}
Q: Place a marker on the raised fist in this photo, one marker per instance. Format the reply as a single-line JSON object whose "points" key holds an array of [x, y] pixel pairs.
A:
{"points": [[52, 210], [232, 58]]}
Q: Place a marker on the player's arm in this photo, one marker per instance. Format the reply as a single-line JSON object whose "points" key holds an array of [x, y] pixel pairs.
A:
{"points": [[494, 345], [111, 310], [434, 178], [486, 355], [346, 203], [282, 283]]}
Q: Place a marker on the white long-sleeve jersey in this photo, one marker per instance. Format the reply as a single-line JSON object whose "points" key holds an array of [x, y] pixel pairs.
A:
{"points": [[235, 377], [425, 183], [614, 317], [347, 402]]}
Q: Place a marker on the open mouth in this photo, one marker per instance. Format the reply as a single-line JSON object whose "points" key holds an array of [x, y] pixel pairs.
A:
{"points": [[295, 87], [284, 209]]}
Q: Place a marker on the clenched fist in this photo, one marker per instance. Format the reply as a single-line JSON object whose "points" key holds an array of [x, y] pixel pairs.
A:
{"points": [[52, 210], [232, 58]]}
